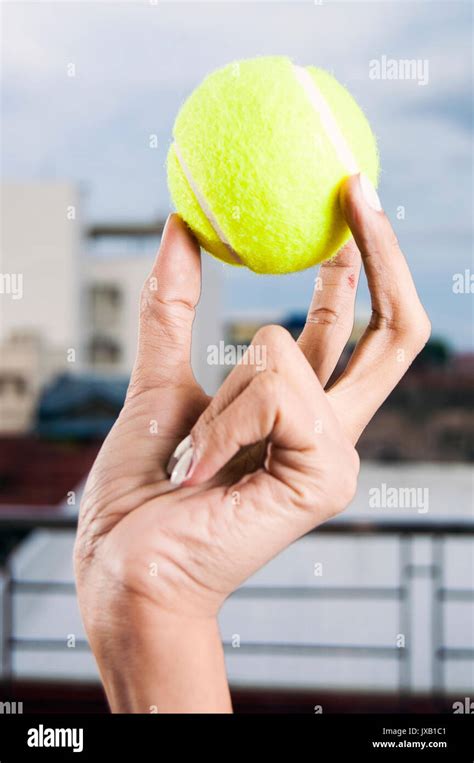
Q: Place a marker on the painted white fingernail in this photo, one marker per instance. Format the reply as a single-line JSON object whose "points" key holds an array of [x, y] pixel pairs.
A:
{"points": [[183, 467], [165, 226], [369, 193], [178, 452]]}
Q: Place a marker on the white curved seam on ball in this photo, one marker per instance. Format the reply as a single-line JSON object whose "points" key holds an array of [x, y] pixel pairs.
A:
{"points": [[320, 105], [205, 208]]}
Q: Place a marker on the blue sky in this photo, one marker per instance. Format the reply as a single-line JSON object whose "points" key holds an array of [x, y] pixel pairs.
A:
{"points": [[136, 62]]}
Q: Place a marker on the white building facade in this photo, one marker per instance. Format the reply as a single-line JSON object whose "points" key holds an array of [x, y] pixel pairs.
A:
{"points": [[69, 297]]}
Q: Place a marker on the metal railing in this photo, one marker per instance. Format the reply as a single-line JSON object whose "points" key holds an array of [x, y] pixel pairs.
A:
{"points": [[437, 531]]}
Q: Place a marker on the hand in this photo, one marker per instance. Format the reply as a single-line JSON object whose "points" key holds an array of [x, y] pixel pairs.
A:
{"points": [[272, 454]]}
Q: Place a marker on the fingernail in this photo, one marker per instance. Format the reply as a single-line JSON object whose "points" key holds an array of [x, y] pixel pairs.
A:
{"points": [[183, 468], [165, 226], [369, 193], [178, 452]]}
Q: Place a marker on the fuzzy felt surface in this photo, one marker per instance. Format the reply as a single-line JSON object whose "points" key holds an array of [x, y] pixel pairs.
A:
{"points": [[257, 151]]}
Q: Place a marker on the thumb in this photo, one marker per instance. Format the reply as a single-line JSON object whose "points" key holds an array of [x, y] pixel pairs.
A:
{"points": [[167, 307]]}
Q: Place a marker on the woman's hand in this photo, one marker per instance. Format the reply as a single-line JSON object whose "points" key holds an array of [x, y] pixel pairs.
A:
{"points": [[265, 461]]}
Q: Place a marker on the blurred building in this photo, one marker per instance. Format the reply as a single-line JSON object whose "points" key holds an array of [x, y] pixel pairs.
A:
{"points": [[27, 362], [39, 321], [109, 305], [41, 241], [70, 297], [119, 258]]}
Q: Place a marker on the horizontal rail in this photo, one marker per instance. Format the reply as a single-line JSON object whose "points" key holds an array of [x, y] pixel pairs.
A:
{"points": [[42, 586], [252, 647], [48, 644], [267, 648], [307, 592], [456, 594], [305, 650], [456, 653], [247, 592], [393, 526]]}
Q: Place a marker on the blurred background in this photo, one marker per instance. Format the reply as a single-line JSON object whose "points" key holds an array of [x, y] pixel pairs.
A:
{"points": [[374, 611]]}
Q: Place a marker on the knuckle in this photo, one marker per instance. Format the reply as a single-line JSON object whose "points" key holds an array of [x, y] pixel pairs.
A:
{"points": [[346, 258], [207, 415], [200, 431], [269, 384], [221, 431], [211, 428], [417, 334], [422, 332], [323, 315], [161, 317], [273, 337], [148, 307], [385, 321], [409, 326]]}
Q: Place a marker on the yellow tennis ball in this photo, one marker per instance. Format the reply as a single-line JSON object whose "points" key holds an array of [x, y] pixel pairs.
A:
{"points": [[260, 149]]}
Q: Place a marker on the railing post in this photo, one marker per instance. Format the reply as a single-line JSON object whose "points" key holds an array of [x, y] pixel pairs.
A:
{"points": [[437, 628], [6, 624], [404, 669]]}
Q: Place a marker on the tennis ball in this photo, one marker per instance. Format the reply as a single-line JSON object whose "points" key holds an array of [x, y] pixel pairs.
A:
{"points": [[260, 149]]}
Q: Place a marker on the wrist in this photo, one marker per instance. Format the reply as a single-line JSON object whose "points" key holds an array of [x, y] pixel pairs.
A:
{"points": [[152, 661]]}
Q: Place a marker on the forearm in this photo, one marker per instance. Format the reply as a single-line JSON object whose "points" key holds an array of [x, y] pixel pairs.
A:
{"points": [[167, 664]]}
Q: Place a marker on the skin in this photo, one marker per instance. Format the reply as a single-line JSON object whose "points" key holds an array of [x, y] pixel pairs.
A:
{"points": [[274, 457]]}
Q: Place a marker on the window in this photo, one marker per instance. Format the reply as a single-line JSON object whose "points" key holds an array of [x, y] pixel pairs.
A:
{"points": [[104, 351], [13, 384], [105, 303]]}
